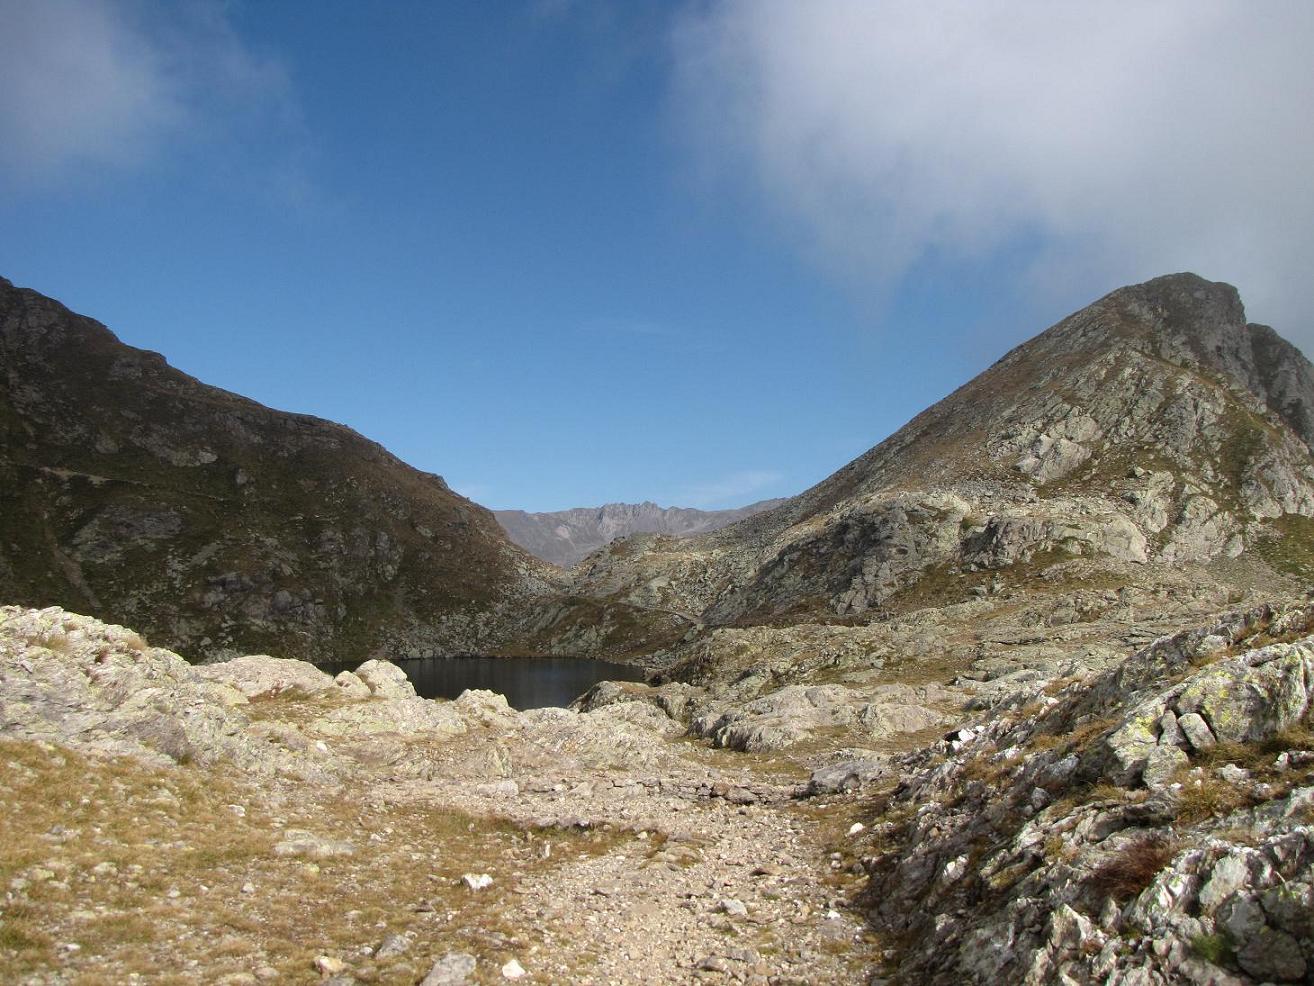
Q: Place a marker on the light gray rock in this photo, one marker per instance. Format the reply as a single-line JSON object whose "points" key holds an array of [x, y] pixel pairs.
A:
{"points": [[1272, 956], [95, 687], [307, 845], [1170, 886], [1161, 766], [793, 714], [453, 969], [734, 908], [1255, 695], [1196, 731], [1170, 733], [847, 775], [477, 705], [262, 676], [348, 685], [405, 716], [385, 680], [393, 946]]}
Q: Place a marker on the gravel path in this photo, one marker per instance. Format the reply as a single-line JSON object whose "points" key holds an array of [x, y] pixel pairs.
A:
{"points": [[699, 889]]}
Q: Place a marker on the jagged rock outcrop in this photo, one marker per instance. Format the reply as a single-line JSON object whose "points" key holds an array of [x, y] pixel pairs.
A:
{"points": [[158, 819], [218, 526], [1154, 429], [563, 537], [102, 690], [1150, 824], [796, 713]]}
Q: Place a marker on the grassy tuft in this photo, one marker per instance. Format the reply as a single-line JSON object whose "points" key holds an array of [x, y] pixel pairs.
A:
{"points": [[1134, 868]]}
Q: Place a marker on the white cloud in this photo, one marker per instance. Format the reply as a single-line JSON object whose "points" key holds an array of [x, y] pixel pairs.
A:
{"points": [[733, 490], [1131, 138], [96, 83]]}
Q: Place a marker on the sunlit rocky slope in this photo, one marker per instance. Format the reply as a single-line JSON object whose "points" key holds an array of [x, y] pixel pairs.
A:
{"points": [[259, 821], [1153, 434]]}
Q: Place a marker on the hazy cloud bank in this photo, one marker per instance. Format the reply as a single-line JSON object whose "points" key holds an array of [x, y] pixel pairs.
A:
{"points": [[97, 83], [1127, 139]]}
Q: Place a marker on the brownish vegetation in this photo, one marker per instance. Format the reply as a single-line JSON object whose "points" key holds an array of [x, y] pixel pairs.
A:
{"points": [[1133, 868]]}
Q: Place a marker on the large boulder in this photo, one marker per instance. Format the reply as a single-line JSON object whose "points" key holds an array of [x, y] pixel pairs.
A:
{"points": [[101, 689], [794, 714], [262, 676], [385, 680]]}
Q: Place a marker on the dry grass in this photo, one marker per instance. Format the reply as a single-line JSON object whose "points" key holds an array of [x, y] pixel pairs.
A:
{"points": [[1075, 739], [1203, 794], [1133, 868], [1056, 686], [1210, 796], [142, 869], [1259, 757]]}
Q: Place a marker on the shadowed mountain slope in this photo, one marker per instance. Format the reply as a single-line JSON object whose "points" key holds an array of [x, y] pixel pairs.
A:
{"points": [[133, 492]]}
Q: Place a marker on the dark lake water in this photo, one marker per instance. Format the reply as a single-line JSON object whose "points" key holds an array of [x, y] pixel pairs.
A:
{"points": [[527, 682]]}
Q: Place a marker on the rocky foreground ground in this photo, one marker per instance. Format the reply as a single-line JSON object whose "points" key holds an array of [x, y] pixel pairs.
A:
{"points": [[1138, 820]]}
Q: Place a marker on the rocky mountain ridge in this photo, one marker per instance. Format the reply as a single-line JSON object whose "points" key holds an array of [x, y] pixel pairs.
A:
{"points": [[131, 490], [1149, 824], [1154, 429], [563, 537]]}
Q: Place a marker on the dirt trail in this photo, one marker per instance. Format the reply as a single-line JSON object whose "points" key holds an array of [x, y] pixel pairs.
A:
{"points": [[700, 866]]}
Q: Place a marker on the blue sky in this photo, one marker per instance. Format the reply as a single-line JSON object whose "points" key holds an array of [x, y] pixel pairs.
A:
{"points": [[565, 253]]}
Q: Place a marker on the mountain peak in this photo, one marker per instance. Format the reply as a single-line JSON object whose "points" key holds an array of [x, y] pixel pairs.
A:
{"points": [[1154, 426]]}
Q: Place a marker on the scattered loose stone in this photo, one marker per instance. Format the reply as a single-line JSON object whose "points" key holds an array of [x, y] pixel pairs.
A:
{"points": [[329, 965], [453, 969], [300, 843], [734, 908], [393, 946]]}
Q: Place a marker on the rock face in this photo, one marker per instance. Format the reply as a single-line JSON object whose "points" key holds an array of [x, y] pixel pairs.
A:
{"points": [[563, 537], [1151, 430], [1103, 840], [99, 688], [218, 526]]}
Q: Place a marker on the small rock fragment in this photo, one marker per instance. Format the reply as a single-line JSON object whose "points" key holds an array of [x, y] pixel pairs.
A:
{"points": [[1197, 731], [393, 946], [329, 965], [453, 969]]}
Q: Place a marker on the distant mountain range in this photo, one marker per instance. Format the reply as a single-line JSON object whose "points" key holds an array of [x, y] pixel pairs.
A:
{"points": [[564, 537]]}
